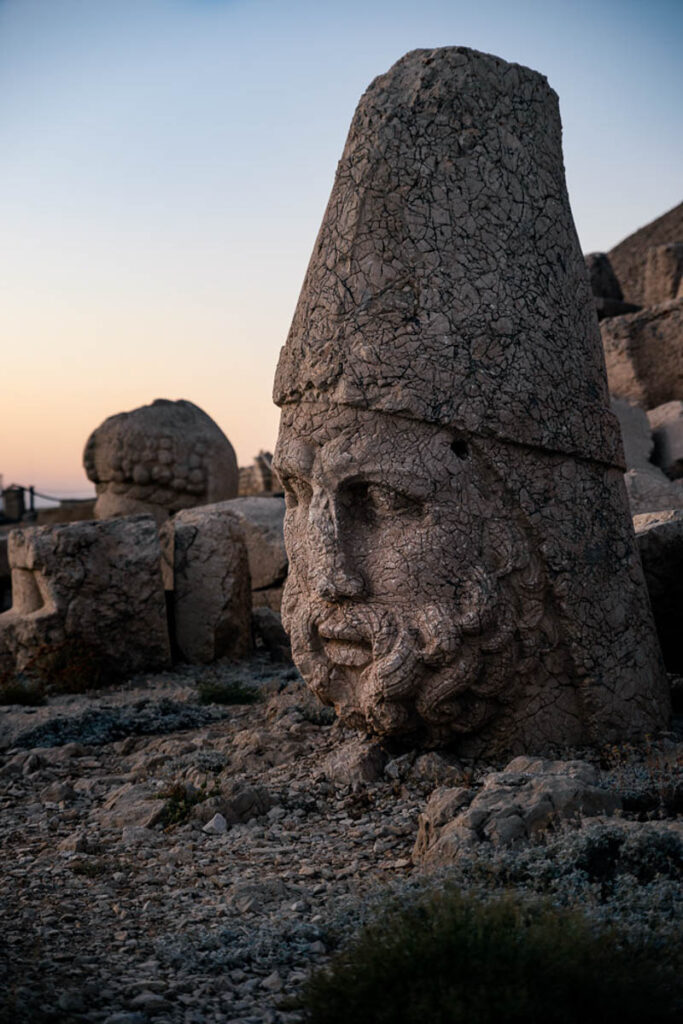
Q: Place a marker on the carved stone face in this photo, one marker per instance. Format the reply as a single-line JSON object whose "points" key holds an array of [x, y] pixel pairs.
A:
{"points": [[404, 600]]}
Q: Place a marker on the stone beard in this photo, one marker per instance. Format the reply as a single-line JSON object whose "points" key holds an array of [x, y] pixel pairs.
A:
{"points": [[415, 601]]}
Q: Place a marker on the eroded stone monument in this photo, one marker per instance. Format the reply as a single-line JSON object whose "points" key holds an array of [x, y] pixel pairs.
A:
{"points": [[462, 559], [159, 459]]}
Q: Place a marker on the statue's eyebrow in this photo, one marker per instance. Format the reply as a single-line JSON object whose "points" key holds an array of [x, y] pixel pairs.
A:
{"points": [[296, 460]]}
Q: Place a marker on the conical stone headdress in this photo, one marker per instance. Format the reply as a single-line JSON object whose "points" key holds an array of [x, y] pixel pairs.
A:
{"points": [[447, 282]]}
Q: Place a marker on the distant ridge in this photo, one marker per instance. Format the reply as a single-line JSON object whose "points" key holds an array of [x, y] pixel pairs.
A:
{"points": [[628, 257]]}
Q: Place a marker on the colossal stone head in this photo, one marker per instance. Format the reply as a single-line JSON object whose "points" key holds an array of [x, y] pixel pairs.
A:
{"points": [[462, 562], [159, 458]]}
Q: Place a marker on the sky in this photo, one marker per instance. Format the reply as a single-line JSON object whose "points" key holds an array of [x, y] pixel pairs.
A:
{"points": [[165, 165]]}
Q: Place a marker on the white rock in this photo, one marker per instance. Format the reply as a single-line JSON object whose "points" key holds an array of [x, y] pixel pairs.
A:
{"points": [[217, 826]]}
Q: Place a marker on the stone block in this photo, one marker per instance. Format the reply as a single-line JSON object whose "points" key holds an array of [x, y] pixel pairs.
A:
{"points": [[660, 542], [91, 590], [211, 596], [663, 271], [666, 422], [644, 354], [262, 521]]}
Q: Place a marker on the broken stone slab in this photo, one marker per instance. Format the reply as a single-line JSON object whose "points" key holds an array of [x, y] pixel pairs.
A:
{"points": [[211, 596], [527, 797], [131, 805], [159, 459], [663, 273], [87, 599], [666, 422], [236, 802], [644, 354], [660, 542]]}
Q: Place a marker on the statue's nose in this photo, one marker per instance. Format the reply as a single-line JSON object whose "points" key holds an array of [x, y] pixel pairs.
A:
{"points": [[334, 577]]}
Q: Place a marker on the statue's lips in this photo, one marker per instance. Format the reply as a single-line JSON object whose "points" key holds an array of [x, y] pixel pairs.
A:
{"points": [[345, 647]]}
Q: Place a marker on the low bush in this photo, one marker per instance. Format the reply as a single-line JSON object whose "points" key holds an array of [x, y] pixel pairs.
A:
{"points": [[213, 691], [452, 959]]}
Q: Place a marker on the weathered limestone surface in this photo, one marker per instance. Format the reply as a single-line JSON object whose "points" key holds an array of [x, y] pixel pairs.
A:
{"points": [[524, 799], [630, 257], [263, 525], [644, 354], [95, 586], [663, 272], [648, 488], [605, 287], [666, 422], [212, 588], [660, 542], [159, 458], [446, 436]]}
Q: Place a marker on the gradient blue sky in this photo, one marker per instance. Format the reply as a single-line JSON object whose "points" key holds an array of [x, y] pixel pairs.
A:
{"points": [[164, 166]]}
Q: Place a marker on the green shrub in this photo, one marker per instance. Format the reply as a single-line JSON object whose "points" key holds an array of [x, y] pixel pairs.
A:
{"points": [[212, 691], [451, 959]]}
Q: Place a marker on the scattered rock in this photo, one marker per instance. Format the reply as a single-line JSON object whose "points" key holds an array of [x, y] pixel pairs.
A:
{"points": [[357, 761], [512, 806], [217, 826]]}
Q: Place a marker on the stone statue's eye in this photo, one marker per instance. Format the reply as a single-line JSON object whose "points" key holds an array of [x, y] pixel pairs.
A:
{"points": [[376, 501], [297, 491]]}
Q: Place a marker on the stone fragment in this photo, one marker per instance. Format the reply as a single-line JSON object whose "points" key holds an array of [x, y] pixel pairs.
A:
{"points": [[663, 273], [88, 604], [644, 354], [525, 798], [131, 805], [660, 542], [648, 488], [211, 596], [666, 422], [446, 439], [356, 762], [217, 826], [159, 459], [630, 257], [258, 478]]}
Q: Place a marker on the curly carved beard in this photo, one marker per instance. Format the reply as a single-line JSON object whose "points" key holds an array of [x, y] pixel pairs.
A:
{"points": [[441, 667]]}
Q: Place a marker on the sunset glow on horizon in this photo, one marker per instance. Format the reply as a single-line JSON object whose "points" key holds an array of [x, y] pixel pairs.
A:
{"points": [[166, 164]]}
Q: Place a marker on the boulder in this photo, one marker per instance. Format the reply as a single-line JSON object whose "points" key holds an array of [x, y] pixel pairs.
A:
{"points": [[644, 354], [629, 258], [87, 598], [527, 797], [159, 458], [666, 422], [356, 762], [647, 487], [262, 521], [663, 273], [211, 596], [660, 542]]}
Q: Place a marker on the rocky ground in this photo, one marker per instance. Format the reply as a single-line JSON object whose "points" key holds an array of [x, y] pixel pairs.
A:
{"points": [[170, 860]]}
